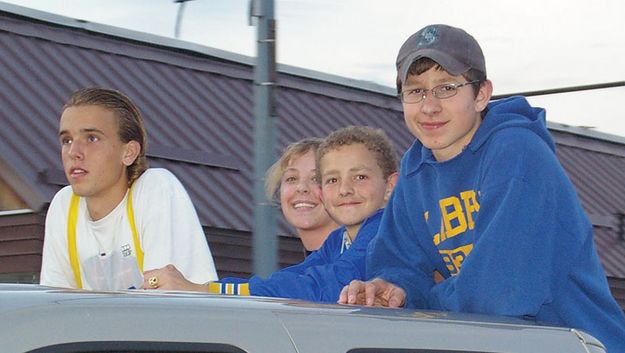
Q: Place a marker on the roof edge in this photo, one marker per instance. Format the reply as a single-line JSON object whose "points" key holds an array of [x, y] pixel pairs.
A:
{"points": [[119, 32], [162, 41], [585, 132], [29, 193], [16, 212]]}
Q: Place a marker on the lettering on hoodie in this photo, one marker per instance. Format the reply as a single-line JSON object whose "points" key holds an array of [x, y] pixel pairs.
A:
{"points": [[457, 217]]}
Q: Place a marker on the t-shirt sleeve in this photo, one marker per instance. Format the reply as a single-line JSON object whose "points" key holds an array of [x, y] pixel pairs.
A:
{"points": [[55, 267], [170, 230]]}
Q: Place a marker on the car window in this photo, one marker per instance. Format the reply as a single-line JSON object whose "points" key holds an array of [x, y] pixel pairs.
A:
{"points": [[401, 350], [138, 347]]}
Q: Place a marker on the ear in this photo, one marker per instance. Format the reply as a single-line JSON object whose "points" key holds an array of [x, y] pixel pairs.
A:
{"points": [[483, 95], [131, 152], [391, 181]]}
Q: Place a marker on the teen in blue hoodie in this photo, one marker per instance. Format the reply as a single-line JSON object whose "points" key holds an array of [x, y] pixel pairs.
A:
{"points": [[483, 201], [358, 170]]}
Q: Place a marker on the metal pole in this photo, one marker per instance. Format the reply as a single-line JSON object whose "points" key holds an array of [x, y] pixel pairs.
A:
{"points": [[264, 235]]}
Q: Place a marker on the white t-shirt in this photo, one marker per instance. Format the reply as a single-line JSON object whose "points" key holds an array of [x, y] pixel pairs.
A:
{"points": [[167, 225]]}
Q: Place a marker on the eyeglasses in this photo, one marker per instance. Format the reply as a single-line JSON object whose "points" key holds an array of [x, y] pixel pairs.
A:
{"points": [[443, 91]]}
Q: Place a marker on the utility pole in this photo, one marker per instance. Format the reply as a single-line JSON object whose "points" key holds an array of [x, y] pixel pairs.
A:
{"points": [[264, 234], [179, 16]]}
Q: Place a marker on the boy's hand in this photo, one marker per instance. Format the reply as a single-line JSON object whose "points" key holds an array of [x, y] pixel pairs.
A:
{"points": [[353, 293], [168, 278], [376, 292]]}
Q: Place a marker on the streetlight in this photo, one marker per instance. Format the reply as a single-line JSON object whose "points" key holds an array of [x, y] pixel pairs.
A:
{"points": [[179, 16]]}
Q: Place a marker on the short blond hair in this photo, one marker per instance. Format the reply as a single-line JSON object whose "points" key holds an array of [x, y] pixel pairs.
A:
{"points": [[273, 177]]}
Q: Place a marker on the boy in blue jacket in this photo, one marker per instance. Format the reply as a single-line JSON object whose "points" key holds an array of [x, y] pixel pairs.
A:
{"points": [[482, 200], [357, 170]]}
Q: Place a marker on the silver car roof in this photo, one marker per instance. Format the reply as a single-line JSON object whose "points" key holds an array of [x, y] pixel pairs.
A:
{"points": [[36, 318]]}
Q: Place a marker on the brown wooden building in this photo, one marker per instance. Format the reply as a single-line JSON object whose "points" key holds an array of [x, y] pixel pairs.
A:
{"points": [[197, 104]]}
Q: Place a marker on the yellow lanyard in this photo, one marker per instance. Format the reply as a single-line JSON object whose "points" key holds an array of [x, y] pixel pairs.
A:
{"points": [[71, 236]]}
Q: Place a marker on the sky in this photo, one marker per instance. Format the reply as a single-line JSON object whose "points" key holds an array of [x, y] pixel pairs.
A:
{"points": [[529, 45]]}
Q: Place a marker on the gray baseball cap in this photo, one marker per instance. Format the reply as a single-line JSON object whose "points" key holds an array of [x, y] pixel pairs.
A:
{"points": [[452, 48]]}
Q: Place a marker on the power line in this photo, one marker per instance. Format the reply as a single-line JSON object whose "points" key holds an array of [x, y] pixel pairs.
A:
{"points": [[563, 90]]}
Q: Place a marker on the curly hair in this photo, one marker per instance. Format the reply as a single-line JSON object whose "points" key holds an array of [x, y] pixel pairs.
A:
{"points": [[375, 140], [131, 126]]}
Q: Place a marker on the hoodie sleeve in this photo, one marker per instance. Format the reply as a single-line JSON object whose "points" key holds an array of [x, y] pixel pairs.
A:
{"points": [[261, 287], [529, 228], [396, 256], [321, 281]]}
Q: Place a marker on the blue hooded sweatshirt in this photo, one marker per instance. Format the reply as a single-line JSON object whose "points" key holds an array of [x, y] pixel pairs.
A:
{"points": [[503, 224], [322, 275]]}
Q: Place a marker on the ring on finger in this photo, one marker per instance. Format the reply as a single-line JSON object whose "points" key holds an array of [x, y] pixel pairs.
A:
{"points": [[153, 282]]}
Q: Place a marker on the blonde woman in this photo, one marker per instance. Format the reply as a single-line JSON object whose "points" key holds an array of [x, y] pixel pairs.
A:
{"points": [[292, 181]]}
